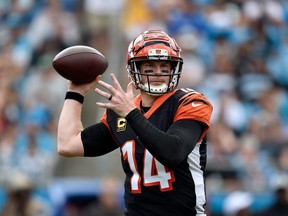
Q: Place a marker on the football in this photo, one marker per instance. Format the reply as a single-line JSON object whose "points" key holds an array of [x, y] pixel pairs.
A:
{"points": [[80, 64]]}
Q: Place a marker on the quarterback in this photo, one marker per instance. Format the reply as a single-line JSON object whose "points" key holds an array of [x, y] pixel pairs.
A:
{"points": [[161, 133]]}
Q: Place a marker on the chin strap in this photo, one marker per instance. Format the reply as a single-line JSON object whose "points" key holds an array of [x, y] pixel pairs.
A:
{"points": [[155, 90]]}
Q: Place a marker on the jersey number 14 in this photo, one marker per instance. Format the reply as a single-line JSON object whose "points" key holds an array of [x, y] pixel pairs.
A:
{"points": [[154, 173]]}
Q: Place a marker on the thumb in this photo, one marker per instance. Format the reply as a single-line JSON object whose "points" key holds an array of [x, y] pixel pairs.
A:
{"points": [[130, 87]]}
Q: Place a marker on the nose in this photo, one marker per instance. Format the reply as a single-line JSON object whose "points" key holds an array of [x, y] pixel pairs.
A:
{"points": [[158, 70]]}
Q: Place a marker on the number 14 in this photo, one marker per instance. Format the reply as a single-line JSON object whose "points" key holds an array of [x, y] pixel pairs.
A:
{"points": [[154, 173]]}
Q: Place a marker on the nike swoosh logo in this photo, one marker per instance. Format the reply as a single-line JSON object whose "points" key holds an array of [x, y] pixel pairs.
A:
{"points": [[196, 104]]}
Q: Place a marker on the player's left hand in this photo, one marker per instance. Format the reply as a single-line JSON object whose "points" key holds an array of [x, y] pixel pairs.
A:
{"points": [[120, 102]]}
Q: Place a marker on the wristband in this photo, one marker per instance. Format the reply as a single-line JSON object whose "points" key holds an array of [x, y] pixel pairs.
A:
{"points": [[74, 96]]}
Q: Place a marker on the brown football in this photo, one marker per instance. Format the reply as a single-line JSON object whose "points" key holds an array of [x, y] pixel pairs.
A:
{"points": [[80, 64]]}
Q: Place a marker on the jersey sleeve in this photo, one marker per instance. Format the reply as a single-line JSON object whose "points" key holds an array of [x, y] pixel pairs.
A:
{"points": [[97, 139], [194, 106]]}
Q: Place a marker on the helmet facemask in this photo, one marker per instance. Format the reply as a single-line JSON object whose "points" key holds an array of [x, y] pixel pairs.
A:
{"points": [[154, 46]]}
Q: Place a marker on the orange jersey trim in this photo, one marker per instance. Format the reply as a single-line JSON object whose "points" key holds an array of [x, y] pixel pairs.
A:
{"points": [[157, 103], [104, 119], [195, 106]]}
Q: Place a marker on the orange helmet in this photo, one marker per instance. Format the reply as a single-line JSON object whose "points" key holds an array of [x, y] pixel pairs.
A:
{"points": [[154, 45]]}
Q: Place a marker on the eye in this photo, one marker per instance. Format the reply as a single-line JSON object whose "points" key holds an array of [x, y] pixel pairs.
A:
{"points": [[148, 71], [164, 71], [165, 68]]}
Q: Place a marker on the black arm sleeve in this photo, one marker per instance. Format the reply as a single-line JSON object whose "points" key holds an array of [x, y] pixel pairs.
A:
{"points": [[97, 140], [171, 147]]}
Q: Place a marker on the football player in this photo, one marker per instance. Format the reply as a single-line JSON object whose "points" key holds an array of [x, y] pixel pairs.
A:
{"points": [[161, 133]]}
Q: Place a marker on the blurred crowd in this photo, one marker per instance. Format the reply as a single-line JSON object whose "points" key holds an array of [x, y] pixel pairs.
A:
{"points": [[235, 52]]}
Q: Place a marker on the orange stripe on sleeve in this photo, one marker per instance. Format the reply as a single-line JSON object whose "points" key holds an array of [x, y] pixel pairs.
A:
{"points": [[195, 107], [104, 119]]}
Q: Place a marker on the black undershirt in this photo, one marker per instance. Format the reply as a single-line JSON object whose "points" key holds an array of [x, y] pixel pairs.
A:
{"points": [[144, 109], [170, 148]]}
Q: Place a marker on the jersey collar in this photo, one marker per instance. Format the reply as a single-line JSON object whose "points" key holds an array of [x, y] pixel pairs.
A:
{"points": [[157, 103]]}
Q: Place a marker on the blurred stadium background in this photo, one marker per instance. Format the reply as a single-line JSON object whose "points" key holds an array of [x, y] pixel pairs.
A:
{"points": [[235, 52]]}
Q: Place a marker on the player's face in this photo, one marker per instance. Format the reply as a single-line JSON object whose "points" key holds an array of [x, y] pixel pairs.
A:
{"points": [[162, 70]]}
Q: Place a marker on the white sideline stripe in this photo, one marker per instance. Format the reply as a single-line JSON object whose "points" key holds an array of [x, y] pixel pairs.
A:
{"points": [[197, 174]]}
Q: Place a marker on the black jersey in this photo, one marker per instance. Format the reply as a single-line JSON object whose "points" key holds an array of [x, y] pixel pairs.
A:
{"points": [[150, 187]]}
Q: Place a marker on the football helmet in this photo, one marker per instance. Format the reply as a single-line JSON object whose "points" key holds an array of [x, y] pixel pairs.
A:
{"points": [[154, 45]]}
